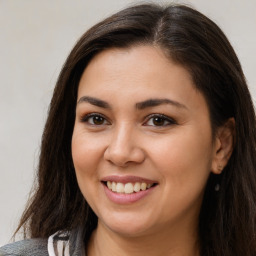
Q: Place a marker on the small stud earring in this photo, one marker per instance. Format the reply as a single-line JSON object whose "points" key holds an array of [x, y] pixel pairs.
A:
{"points": [[220, 167], [217, 187]]}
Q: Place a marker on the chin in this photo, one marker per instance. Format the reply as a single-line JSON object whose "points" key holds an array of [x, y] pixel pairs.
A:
{"points": [[127, 226], [129, 230]]}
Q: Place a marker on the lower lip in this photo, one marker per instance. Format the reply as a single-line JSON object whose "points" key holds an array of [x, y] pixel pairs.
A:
{"points": [[122, 198]]}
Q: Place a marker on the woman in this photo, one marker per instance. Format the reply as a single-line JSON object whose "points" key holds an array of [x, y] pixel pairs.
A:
{"points": [[149, 146]]}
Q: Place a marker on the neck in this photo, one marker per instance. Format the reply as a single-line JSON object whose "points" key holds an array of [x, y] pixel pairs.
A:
{"points": [[173, 243]]}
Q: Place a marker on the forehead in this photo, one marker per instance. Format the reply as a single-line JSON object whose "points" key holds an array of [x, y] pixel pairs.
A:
{"points": [[146, 66]]}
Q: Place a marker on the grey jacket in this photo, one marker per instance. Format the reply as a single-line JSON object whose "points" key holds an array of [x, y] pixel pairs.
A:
{"points": [[39, 247]]}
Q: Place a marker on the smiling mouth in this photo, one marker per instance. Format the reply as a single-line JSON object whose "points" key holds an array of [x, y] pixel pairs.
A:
{"points": [[128, 188]]}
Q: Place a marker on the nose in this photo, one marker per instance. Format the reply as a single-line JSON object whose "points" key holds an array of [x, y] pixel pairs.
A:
{"points": [[123, 148]]}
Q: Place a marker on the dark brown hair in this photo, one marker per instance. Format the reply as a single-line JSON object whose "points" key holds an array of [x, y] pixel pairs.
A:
{"points": [[227, 218]]}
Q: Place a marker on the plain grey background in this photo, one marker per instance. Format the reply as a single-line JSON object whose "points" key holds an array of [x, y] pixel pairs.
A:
{"points": [[35, 38]]}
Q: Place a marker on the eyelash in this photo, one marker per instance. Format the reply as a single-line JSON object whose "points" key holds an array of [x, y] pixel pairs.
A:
{"points": [[87, 117], [165, 119]]}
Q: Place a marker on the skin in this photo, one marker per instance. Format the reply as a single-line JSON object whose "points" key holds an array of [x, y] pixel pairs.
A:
{"points": [[126, 140]]}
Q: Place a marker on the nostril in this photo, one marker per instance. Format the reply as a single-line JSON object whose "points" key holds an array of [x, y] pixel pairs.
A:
{"points": [[122, 151]]}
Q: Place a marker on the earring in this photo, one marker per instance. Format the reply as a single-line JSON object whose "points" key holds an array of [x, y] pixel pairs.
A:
{"points": [[217, 187]]}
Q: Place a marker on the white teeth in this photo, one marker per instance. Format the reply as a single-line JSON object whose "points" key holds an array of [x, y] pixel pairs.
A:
{"points": [[120, 188], [129, 187], [109, 184], [113, 187], [136, 187], [149, 185], [143, 186]]}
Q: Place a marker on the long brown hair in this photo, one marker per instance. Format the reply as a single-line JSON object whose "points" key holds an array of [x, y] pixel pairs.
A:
{"points": [[227, 218]]}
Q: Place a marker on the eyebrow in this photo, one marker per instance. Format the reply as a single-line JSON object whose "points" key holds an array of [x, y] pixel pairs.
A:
{"points": [[156, 102], [140, 105], [94, 101]]}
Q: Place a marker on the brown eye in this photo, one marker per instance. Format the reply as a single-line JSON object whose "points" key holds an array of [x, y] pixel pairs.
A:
{"points": [[95, 119], [98, 120], [159, 120]]}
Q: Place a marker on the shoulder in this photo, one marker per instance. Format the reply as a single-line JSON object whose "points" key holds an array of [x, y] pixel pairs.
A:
{"points": [[60, 243], [25, 248]]}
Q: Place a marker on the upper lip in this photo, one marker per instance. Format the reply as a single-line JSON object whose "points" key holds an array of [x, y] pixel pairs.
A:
{"points": [[126, 179]]}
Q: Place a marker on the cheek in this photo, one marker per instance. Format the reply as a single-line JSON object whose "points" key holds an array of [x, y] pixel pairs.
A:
{"points": [[85, 151], [86, 158], [183, 159]]}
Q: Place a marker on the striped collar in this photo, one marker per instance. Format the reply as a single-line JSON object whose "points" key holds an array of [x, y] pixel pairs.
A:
{"points": [[64, 243]]}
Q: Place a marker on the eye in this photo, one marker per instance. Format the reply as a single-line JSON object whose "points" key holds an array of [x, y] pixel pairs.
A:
{"points": [[159, 120], [95, 119]]}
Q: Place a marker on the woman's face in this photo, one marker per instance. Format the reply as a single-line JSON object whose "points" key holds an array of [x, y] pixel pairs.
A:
{"points": [[142, 129]]}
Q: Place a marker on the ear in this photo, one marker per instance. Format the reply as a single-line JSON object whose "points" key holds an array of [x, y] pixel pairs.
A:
{"points": [[223, 147]]}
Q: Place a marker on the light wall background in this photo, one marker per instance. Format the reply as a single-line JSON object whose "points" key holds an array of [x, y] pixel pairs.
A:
{"points": [[35, 38]]}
